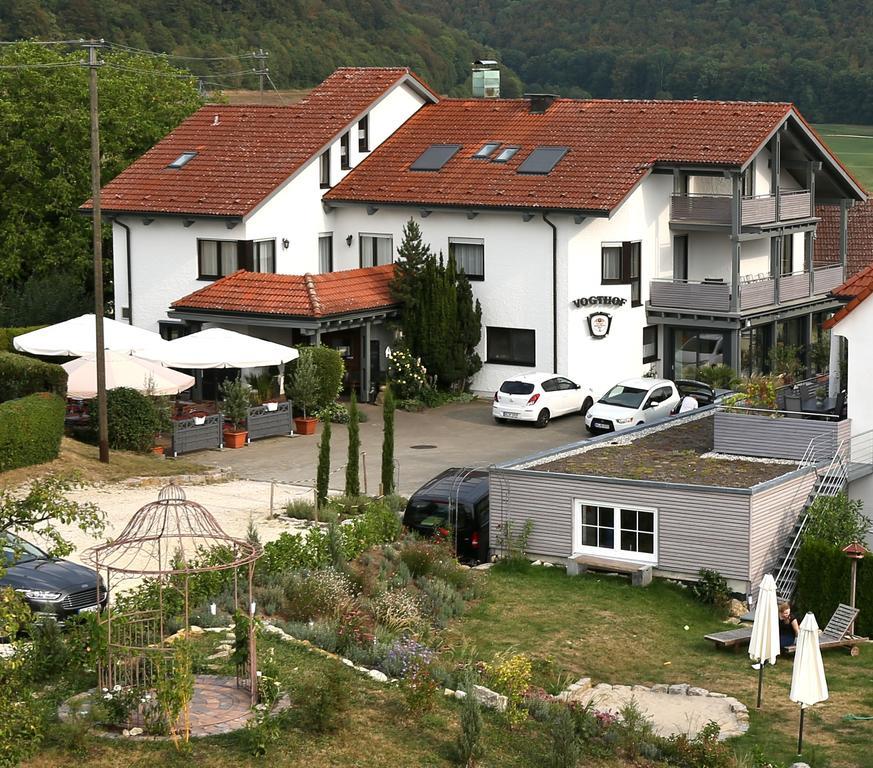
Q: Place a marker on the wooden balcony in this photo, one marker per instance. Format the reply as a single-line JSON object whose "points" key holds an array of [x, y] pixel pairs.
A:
{"points": [[755, 291], [754, 211]]}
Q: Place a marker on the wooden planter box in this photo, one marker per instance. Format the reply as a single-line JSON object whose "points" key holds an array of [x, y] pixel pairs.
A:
{"points": [[269, 420], [197, 434], [753, 434]]}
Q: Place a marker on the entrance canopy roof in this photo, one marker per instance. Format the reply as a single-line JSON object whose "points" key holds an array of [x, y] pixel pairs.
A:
{"points": [[76, 338], [219, 348]]}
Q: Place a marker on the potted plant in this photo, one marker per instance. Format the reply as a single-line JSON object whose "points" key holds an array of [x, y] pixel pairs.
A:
{"points": [[820, 394], [304, 392], [235, 408]]}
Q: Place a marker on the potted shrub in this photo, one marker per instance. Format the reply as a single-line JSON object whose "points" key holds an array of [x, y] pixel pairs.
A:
{"points": [[235, 408], [820, 394], [304, 392]]}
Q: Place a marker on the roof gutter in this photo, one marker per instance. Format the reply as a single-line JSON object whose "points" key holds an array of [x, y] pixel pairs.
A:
{"points": [[554, 292]]}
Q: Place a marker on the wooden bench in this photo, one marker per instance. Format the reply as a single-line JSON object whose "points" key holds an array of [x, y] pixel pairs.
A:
{"points": [[640, 574]]}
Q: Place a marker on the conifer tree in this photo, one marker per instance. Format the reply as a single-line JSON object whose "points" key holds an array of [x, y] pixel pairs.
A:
{"points": [[322, 476], [388, 442], [353, 483], [407, 286]]}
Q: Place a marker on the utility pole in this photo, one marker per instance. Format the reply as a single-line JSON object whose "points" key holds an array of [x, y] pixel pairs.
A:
{"points": [[261, 71], [99, 344]]}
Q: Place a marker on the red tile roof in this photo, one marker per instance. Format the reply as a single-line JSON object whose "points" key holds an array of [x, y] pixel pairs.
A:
{"points": [[245, 152], [334, 293], [860, 246], [855, 289], [612, 146]]}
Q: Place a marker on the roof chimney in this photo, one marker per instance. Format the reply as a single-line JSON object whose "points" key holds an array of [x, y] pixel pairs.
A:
{"points": [[540, 102], [486, 79]]}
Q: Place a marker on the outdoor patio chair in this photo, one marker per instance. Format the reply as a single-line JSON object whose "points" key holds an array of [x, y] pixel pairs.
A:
{"points": [[840, 405], [792, 403]]}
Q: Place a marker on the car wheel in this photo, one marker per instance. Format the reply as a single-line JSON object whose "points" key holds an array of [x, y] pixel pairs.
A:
{"points": [[543, 418], [498, 420], [585, 406]]}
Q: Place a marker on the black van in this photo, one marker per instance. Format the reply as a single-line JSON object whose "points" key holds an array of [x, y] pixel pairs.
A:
{"points": [[454, 503]]}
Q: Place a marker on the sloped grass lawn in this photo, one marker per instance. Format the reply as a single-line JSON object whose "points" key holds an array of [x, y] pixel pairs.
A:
{"points": [[600, 627]]}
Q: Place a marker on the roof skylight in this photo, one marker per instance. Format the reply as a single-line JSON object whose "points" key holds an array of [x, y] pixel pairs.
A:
{"points": [[506, 154], [182, 160], [487, 150], [542, 160], [435, 157]]}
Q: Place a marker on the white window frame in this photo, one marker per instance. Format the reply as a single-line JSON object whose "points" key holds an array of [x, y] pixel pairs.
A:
{"points": [[469, 241], [374, 235], [325, 236], [615, 553]]}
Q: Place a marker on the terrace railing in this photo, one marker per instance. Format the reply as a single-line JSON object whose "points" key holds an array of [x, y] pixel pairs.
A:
{"points": [[755, 210]]}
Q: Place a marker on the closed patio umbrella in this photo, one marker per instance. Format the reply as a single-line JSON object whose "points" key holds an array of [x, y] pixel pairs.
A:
{"points": [[124, 371], [77, 337], [764, 643], [808, 683]]}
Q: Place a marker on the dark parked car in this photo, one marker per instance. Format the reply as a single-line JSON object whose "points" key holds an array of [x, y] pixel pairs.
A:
{"points": [[453, 504], [53, 588]]}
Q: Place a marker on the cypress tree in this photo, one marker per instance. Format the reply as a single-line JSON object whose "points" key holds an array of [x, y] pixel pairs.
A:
{"points": [[388, 442], [469, 325], [353, 483], [322, 477], [407, 285]]}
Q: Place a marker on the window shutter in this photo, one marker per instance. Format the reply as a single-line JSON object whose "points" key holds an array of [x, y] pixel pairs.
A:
{"points": [[246, 255], [626, 249]]}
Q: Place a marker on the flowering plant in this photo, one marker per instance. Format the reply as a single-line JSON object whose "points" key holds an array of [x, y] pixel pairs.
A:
{"points": [[407, 375], [415, 663], [121, 702]]}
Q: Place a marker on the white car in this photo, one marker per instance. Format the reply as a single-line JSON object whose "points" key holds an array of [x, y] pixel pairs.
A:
{"points": [[539, 397], [632, 402]]}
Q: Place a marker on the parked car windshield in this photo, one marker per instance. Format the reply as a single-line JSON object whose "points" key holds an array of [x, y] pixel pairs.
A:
{"points": [[17, 550], [516, 388], [625, 397]]}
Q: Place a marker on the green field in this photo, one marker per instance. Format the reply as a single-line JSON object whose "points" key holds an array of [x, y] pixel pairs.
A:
{"points": [[854, 146]]}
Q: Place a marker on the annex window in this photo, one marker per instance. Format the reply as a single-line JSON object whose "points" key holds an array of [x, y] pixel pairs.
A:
{"points": [[542, 160], [748, 181], [511, 346], [435, 157], [216, 258], [325, 253], [182, 160], [469, 256], [621, 264], [787, 254], [615, 531], [506, 154], [364, 134], [650, 343], [487, 150], [264, 256], [376, 250], [324, 169], [345, 152]]}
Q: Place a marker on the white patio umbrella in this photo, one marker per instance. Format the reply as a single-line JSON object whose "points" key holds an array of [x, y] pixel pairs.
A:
{"points": [[808, 684], [219, 348], [124, 371], [77, 337], [764, 643]]}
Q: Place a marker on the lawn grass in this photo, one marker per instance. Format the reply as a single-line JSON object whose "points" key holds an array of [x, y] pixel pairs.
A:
{"points": [[601, 627], [83, 459], [853, 144]]}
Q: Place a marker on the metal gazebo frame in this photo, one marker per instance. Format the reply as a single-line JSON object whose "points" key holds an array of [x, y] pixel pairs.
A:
{"points": [[165, 541]]}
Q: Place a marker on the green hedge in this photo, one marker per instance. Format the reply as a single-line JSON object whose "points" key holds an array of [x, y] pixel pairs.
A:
{"points": [[21, 376], [30, 430], [824, 581], [7, 334], [131, 418]]}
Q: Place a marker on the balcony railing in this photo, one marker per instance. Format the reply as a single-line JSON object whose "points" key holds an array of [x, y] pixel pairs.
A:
{"points": [[755, 290], [761, 209]]}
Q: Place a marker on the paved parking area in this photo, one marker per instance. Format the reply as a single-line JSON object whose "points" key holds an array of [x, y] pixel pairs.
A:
{"points": [[462, 434]]}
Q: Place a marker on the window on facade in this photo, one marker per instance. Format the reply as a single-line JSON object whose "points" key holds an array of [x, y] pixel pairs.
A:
{"points": [[216, 258], [469, 256], [324, 169], [650, 343], [376, 250], [511, 346], [621, 264], [680, 257], [173, 329], [364, 134], [325, 253], [345, 152], [264, 256], [787, 254], [607, 529], [748, 181], [610, 259]]}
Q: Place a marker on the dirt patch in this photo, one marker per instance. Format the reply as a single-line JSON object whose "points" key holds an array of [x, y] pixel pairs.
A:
{"points": [[671, 456]]}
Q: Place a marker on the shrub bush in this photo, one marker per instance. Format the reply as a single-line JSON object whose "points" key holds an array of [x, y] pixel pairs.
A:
{"points": [[321, 700], [131, 419], [329, 372], [711, 588], [317, 594], [21, 376], [30, 430], [823, 574], [7, 334], [836, 520]]}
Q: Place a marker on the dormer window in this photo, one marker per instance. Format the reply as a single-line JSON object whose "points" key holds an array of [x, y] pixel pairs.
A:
{"points": [[506, 154], [364, 134], [324, 169], [345, 152], [182, 160], [487, 150]]}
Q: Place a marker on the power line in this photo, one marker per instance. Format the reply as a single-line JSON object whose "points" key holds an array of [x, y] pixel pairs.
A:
{"points": [[41, 42], [53, 65], [145, 52]]}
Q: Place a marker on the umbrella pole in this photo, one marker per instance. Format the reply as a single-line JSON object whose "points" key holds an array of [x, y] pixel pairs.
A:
{"points": [[800, 735], [760, 681]]}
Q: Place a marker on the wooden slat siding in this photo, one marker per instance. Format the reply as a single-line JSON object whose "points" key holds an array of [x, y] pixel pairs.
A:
{"points": [[774, 512], [794, 205], [746, 434], [794, 286], [697, 528], [827, 279], [759, 210], [759, 293], [714, 297], [264, 423], [708, 209], [188, 436]]}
